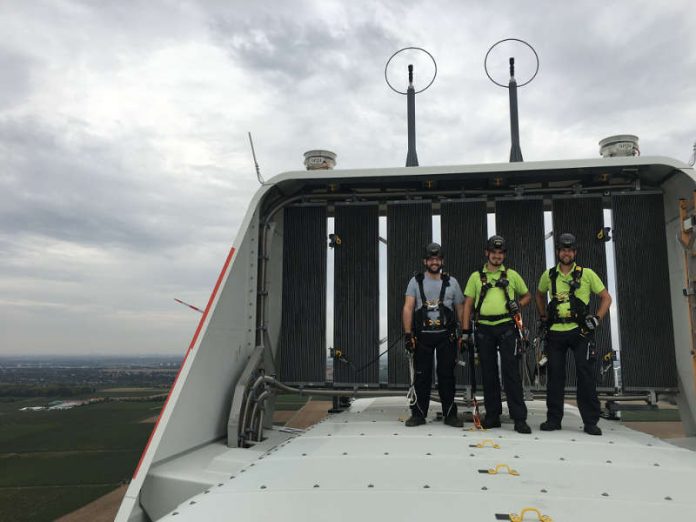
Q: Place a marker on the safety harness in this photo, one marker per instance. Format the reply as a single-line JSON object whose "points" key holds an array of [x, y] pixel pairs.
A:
{"points": [[578, 309], [486, 285], [445, 319]]}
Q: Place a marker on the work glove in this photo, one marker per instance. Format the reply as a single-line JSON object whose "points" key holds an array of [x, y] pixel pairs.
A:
{"points": [[409, 342], [514, 307], [591, 321]]}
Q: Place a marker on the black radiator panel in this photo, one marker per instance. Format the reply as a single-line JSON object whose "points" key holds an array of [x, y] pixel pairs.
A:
{"points": [[464, 230], [356, 292], [409, 230], [521, 223], [583, 216], [642, 285], [302, 343]]}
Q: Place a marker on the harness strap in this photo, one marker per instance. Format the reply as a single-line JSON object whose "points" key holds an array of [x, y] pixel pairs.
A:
{"points": [[419, 280], [501, 283], [494, 317], [577, 307], [441, 321], [564, 320], [441, 301], [443, 288]]}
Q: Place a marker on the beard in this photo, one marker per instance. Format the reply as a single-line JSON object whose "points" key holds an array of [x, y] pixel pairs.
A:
{"points": [[434, 269], [496, 262], [569, 262]]}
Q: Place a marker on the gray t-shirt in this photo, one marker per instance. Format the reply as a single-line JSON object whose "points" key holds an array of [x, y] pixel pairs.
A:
{"points": [[432, 287]]}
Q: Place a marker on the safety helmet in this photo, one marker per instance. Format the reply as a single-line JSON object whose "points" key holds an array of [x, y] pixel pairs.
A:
{"points": [[432, 250], [566, 240], [496, 243]]}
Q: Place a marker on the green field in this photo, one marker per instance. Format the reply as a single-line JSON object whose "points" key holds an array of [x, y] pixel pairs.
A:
{"points": [[53, 462], [46, 503]]}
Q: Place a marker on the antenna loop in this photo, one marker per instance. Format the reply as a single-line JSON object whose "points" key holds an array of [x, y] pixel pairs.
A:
{"points": [[386, 79], [485, 61]]}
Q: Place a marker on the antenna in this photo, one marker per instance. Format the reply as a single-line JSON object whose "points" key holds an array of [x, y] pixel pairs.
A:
{"points": [[692, 159], [256, 163], [515, 150], [411, 155]]}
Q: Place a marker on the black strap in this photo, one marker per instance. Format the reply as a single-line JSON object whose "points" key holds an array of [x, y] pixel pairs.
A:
{"points": [[494, 317], [419, 280], [441, 303], [564, 320], [445, 283]]}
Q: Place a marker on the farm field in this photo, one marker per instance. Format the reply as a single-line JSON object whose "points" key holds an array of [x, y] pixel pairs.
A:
{"points": [[54, 461]]}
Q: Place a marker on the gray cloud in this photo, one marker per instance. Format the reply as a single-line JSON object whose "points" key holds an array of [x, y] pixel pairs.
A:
{"points": [[16, 82], [68, 192]]}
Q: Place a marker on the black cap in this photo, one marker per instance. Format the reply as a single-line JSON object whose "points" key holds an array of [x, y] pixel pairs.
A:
{"points": [[432, 250], [496, 243], [566, 240]]}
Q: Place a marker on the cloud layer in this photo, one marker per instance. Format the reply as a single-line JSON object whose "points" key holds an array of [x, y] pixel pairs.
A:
{"points": [[124, 162]]}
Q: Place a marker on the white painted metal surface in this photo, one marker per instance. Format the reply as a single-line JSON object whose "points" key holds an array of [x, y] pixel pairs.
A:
{"points": [[364, 464], [197, 410]]}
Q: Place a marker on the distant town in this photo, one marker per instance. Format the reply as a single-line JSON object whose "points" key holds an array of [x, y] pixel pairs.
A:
{"points": [[66, 376], [70, 376]]}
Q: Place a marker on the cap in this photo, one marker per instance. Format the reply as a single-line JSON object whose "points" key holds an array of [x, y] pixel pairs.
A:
{"points": [[496, 243], [566, 240], [432, 250]]}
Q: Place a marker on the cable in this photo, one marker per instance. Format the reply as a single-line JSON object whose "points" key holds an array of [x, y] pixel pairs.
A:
{"points": [[373, 361]]}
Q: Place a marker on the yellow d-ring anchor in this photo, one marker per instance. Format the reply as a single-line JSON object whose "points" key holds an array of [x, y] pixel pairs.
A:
{"points": [[488, 442], [519, 518], [498, 467]]}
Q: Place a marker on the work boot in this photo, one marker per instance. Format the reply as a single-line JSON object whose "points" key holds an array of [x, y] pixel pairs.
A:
{"points": [[454, 420], [550, 426], [490, 422], [521, 426], [592, 429], [415, 420]]}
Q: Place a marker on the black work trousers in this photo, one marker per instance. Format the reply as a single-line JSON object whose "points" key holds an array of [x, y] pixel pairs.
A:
{"points": [[444, 348], [489, 341], [558, 344]]}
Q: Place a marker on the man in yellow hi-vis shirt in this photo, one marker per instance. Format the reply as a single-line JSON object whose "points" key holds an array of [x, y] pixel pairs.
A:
{"points": [[491, 293], [570, 325]]}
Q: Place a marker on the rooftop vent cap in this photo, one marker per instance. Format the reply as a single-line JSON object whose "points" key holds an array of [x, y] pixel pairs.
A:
{"points": [[619, 145], [319, 159]]}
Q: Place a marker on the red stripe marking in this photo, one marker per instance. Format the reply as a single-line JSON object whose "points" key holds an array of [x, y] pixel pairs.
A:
{"points": [[193, 342]]}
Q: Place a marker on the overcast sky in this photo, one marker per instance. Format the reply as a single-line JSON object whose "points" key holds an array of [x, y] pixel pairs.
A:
{"points": [[125, 168]]}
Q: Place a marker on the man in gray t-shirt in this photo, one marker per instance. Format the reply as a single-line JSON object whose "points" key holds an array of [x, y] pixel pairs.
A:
{"points": [[433, 305], [432, 287]]}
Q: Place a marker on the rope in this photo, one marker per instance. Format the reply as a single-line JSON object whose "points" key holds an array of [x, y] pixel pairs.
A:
{"points": [[411, 395]]}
